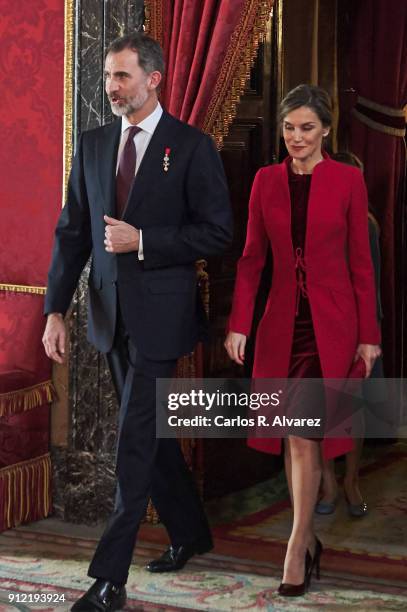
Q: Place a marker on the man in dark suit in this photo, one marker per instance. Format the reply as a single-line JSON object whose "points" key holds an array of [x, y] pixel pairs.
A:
{"points": [[147, 197]]}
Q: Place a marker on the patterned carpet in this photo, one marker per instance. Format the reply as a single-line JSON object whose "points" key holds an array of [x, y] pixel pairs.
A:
{"points": [[364, 564], [379, 539], [198, 590]]}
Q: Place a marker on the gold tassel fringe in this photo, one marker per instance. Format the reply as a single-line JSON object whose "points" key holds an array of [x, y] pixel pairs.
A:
{"points": [[26, 490], [153, 23], [151, 514], [236, 69], [22, 288], [21, 400]]}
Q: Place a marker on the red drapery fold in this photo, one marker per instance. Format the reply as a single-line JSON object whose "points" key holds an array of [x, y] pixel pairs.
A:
{"points": [[209, 48], [377, 80]]}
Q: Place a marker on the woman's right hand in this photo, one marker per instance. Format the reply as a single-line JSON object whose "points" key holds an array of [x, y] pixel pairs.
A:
{"points": [[235, 345]]}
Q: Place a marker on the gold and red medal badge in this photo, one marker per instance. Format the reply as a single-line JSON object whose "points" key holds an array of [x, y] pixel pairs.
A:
{"points": [[166, 161]]}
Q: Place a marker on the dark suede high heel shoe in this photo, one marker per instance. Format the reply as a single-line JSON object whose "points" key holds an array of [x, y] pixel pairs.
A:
{"points": [[316, 560], [297, 590]]}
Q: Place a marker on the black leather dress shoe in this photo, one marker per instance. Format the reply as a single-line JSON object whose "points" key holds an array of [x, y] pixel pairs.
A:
{"points": [[103, 596], [175, 557]]}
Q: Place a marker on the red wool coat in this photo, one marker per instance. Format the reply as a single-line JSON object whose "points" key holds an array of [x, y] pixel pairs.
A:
{"points": [[339, 276]]}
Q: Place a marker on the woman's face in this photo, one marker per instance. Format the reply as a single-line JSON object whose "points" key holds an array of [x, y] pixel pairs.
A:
{"points": [[303, 133]]}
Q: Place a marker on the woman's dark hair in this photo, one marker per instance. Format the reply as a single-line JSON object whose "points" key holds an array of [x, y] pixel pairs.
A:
{"points": [[150, 54], [315, 98]]}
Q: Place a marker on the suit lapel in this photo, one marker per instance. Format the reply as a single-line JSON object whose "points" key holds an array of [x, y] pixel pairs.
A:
{"points": [[151, 167], [106, 154]]}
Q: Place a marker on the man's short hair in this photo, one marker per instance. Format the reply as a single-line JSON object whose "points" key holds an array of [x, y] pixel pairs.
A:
{"points": [[149, 51]]}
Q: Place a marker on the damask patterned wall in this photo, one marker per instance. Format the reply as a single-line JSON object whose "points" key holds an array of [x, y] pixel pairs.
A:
{"points": [[84, 471], [31, 127]]}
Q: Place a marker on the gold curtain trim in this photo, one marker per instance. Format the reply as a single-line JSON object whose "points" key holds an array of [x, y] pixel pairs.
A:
{"points": [[203, 282], [236, 69], [153, 22], [381, 108], [375, 125], [24, 497], [21, 400], [68, 94], [23, 288], [236, 66], [186, 367], [151, 514]]}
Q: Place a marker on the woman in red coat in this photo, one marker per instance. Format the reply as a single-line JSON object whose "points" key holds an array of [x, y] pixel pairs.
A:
{"points": [[320, 315]]}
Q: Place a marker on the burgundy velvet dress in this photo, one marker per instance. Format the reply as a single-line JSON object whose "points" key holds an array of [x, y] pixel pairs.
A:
{"points": [[304, 361]]}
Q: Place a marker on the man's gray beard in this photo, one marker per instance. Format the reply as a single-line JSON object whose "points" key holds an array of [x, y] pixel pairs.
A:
{"points": [[127, 109]]}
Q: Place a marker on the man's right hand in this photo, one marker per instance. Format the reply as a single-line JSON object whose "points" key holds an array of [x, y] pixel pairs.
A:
{"points": [[54, 337]]}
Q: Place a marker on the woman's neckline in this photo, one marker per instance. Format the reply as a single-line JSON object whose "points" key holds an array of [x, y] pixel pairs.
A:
{"points": [[293, 170]]}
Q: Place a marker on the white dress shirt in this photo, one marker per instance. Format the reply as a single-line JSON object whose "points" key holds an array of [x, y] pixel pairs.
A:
{"points": [[141, 142]]}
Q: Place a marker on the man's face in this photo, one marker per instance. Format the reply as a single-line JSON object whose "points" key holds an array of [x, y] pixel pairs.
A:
{"points": [[127, 86]]}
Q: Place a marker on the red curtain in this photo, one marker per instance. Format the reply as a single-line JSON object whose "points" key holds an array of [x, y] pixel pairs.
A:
{"points": [[209, 47], [376, 86]]}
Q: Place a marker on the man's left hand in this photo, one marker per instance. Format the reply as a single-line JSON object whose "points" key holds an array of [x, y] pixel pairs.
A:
{"points": [[120, 237]]}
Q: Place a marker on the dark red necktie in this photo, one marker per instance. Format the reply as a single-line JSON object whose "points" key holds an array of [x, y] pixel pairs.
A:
{"points": [[126, 171]]}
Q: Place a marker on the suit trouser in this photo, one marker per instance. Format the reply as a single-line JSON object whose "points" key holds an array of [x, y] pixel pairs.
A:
{"points": [[145, 467]]}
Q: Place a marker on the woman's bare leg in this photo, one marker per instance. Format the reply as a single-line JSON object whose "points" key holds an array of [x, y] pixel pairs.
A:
{"points": [[305, 478], [287, 464]]}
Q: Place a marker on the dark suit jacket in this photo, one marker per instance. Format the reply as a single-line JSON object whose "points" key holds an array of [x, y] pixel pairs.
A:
{"points": [[184, 214]]}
